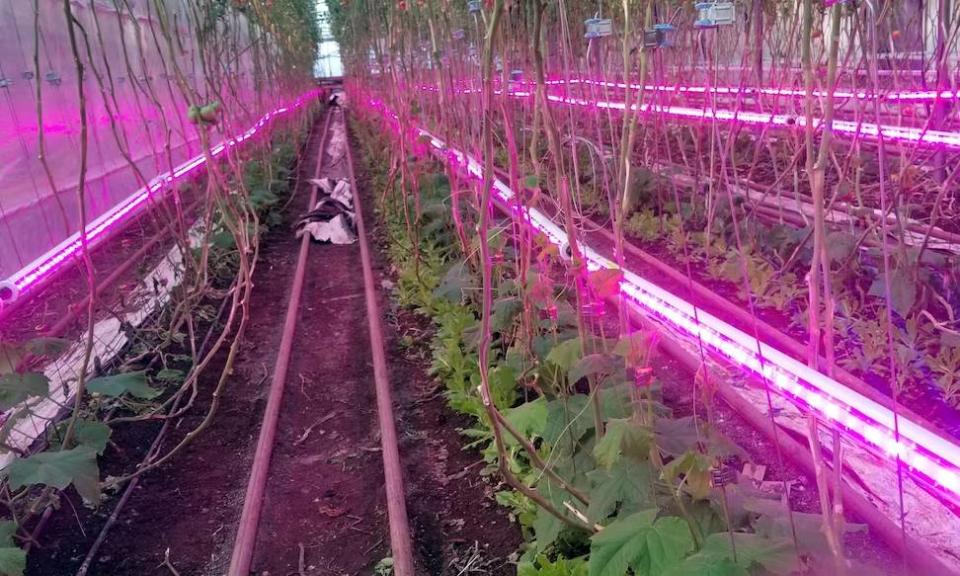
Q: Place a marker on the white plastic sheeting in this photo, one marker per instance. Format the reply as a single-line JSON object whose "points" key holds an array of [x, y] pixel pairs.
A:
{"points": [[136, 113]]}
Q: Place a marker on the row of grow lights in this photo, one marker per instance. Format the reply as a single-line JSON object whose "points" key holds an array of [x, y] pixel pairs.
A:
{"points": [[930, 458]]}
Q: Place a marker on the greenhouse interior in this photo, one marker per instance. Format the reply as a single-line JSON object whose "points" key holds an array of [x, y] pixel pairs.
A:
{"points": [[479, 287]]}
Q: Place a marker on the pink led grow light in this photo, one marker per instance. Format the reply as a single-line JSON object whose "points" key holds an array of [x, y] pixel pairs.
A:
{"points": [[748, 91], [46, 265], [903, 134], [930, 458]]}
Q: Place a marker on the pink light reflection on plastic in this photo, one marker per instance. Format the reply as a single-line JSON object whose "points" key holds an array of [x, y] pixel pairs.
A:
{"points": [[29, 276]]}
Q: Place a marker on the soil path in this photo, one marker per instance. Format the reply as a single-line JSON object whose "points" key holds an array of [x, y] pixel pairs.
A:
{"points": [[325, 497]]}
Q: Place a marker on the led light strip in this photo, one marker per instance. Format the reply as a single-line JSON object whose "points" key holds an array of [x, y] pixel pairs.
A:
{"points": [[46, 265], [908, 135], [749, 91], [904, 134], [930, 458]]}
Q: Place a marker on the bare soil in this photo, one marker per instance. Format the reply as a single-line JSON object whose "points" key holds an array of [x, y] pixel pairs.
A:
{"points": [[325, 491]]}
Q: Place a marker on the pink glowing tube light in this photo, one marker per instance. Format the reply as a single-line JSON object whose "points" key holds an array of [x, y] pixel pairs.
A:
{"points": [[901, 96], [45, 266], [934, 461], [902, 134]]}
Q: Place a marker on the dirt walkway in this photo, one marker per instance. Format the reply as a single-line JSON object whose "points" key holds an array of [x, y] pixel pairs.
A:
{"points": [[325, 496]]}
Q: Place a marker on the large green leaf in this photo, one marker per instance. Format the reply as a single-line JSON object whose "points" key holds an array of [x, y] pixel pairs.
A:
{"points": [[13, 560], [701, 564], [10, 356], [546, 528], [617, 546], [16, 387], [593, 364], [92, 435], [59, 469], [628, 484], [133, 383], [675, 436], [565, 354], [774, 522], [776, 555], [903, 290], [623, 436], [694, 467], [49, 347], [455, 282], [568, 418], [504, 311], [668, 542], [529, 418]]}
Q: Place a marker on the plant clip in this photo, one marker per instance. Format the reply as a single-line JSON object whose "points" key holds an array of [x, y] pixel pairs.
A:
{"points": [[642, 376], [549, 313]]}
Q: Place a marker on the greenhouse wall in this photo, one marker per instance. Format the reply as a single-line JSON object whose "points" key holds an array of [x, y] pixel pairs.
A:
{"points": [[135, 108]]}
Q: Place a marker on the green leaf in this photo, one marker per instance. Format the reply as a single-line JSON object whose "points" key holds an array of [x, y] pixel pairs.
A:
{"points": [[92, 435], [58, 469], [546, 527], [531, 181], [840, 245], [454, 283], [504, 311], [676, 436], [567, 418], [565, 354], [133, 383], [13, 561], [627, 484], [170, 375], [7, 531], [543, 566], [16, 387], [623, 436], [503, 386], [10, 356], [529, 418], [774, 523], [706, 565], [617, 546], [48, 347], [594, 364], [903, 290], [667, 544], [695, 469], [776, 555]]}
